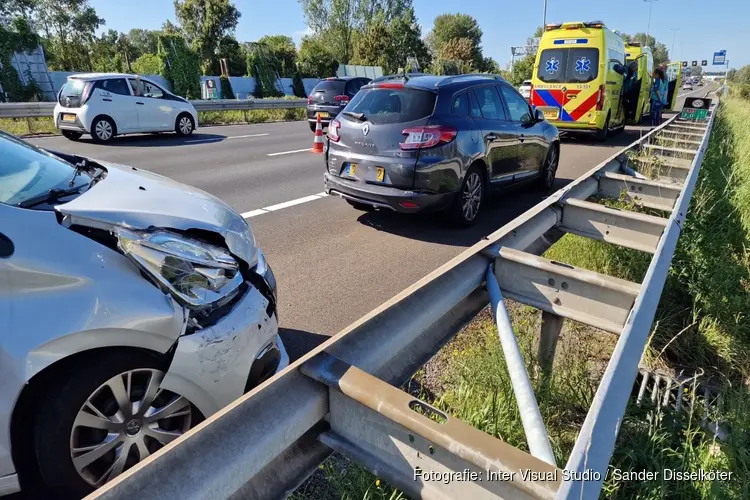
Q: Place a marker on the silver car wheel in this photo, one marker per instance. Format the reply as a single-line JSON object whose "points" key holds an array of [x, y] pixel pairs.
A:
{"points": [[125, 420], [103, 130], [186, 125], [472, 196]]}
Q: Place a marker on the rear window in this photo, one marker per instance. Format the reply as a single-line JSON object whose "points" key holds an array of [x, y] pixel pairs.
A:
{"points": [[331, 85], [568, 65], [73, 88], [393, 105]]}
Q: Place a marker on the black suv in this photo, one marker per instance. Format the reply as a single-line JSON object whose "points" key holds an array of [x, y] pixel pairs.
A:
{"points": [[437, 143], [329, 97]]}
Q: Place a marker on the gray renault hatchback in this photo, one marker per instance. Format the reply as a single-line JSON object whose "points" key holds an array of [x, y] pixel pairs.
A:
{"points": [[438, 143]]}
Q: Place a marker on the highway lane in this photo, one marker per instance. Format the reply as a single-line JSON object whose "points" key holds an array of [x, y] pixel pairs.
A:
{"points": [[333, 263]]}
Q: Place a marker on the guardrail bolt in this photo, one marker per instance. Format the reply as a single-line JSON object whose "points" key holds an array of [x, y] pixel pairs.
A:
{"points": [[411, 438], [432, 450]]}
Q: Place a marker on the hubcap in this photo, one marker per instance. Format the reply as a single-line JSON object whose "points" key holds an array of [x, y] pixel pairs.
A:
{"points": [[125, 420], [472, 196], [185, 125], [103, 130], [551, 167]]}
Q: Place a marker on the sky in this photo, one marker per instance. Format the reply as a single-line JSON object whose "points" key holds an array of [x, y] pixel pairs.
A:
{"points": [[702, 27]]}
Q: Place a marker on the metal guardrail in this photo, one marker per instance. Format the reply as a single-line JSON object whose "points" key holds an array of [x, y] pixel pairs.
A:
{"points": [[342, 396], [41, 109]]}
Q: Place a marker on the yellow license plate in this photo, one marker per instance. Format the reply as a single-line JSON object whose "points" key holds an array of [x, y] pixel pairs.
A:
{"points": [[67, 117], [323, 114], [380, 174], [352, 169], [551, 114]]}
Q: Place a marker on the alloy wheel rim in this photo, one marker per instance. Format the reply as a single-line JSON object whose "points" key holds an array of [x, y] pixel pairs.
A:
{"points": [[185, 125], [103, 130], [472, 196], [123, 421]]}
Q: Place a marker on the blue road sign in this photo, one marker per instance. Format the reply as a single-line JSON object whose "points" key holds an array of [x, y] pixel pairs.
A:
{"points": [[720, 57]]}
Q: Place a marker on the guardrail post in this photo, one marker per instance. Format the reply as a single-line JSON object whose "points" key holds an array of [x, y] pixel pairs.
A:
{"points": [[28, 125], [551, 327]]}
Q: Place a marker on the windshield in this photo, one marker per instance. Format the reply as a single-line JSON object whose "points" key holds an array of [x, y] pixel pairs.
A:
{"points": [[384, 105], [568, 65], [334, 85], [27, 172]]}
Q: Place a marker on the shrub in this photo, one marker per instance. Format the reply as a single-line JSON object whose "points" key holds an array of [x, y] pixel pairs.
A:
{"points": [[180, 65], [147, 64]]}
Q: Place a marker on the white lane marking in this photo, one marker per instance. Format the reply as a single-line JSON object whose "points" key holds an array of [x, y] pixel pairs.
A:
{"points": [[217, 139], [280, 206], [289, 152]]}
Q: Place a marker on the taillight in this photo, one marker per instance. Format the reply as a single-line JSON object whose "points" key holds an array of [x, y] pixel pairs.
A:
{"points": [[427, 137], [333, 130], [600, 98], [341, 100], [86, 92]]}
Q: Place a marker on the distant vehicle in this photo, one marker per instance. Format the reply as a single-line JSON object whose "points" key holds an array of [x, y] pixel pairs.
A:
{"points": [[575, 82], [525, 89], [687, 86], [105, 105], [437, 143], [329, 97], [159, 310]]}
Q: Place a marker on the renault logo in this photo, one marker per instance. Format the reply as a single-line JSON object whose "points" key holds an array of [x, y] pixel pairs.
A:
{"points": [[366, 129]]}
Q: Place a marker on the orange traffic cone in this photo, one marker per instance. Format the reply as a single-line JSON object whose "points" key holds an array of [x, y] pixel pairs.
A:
{"points": [[318, 142]]}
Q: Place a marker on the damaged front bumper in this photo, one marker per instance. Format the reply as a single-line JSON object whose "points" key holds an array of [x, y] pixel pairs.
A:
{"points": [[215, 365]]}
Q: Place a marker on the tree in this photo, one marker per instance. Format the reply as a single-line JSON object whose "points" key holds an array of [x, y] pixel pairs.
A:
{"points": [[17, 8], [143, 41], [231, 50], [406, 39], [284, 53], [147, 64], [298, 86], [389, 44], [336, 21], [315, 60], [17, 36], [205, 23], [450, 27], [522, 70], [180, 65], [262, 67], [105, 56], [69, 27]]}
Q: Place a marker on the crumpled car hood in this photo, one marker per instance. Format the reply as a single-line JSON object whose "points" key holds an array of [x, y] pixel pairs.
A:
{"points": [[138, 199]]}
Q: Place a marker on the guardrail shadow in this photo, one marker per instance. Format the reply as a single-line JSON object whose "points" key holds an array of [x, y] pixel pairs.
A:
{"points": [[299, 342], [499, 209], [157, 140]]}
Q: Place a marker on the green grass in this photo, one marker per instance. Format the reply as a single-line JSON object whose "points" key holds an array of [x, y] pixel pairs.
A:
{"points": [[32, 126], [701, 323]]}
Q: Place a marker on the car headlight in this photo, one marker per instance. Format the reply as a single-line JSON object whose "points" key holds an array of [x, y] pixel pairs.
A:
{"points": [[196, 273]]}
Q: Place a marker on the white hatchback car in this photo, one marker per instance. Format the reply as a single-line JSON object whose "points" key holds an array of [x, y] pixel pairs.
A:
{"points": [[525, 89], [109, 104]]}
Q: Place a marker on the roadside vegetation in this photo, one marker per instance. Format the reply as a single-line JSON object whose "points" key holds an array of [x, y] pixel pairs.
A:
{"points": [[45, 125], [702, 326]]}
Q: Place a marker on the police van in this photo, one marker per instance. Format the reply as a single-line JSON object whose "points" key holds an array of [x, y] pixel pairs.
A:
{"points": [[638, 102], [574, 81]]}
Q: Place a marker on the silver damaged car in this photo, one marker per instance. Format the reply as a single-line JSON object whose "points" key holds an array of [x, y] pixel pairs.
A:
{"points": [[131, 308]]}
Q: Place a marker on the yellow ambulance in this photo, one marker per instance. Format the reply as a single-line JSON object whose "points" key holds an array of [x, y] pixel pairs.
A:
{"points": [[575, 83], [638, 103]]}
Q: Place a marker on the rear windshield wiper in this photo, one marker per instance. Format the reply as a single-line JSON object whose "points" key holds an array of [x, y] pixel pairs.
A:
{"points": [[51, 196], [357, 116]]}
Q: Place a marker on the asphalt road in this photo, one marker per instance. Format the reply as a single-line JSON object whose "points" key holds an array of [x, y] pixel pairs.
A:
{"points": [[333, 263]]}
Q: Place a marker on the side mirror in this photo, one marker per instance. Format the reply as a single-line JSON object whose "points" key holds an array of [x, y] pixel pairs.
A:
{"points": [[538, 115]]}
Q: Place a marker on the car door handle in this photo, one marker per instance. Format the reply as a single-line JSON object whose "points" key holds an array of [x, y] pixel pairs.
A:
{"points": [[521, 138], [139, 102], [107, 100], [491, 137]]}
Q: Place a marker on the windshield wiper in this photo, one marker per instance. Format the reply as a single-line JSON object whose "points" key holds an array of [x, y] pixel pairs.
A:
{"points": [[357, 116], [51, 196], [79, 167]]}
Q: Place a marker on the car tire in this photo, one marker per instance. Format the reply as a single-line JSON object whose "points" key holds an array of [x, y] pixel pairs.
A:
{"points": [[184, 125], [361, 206], [549, 168], [87, 390], [603, 134], [103, 130], [71, 134], [465, 208]]}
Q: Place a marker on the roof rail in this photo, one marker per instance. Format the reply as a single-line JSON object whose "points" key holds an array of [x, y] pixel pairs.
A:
{"points": [[452, 78], [399, 76]]}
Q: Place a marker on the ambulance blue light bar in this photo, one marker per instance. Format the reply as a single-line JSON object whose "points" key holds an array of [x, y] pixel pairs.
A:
{"points": [[571, 41]]}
